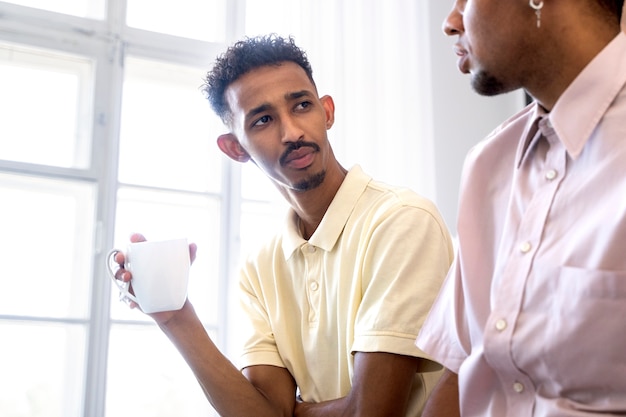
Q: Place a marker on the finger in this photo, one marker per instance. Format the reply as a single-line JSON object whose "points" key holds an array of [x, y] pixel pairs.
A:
{"points": [[123, 275], [137, 237], [119, 258], [193, 249]]}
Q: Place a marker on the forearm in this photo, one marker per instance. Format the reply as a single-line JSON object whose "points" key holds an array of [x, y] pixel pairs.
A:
{"points": [[324, 409], [381, 386], [228, 390], [444, 399], [347, 406]]}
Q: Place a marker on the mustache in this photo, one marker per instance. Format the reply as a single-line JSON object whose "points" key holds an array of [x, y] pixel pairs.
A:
{"points": [[293, 146]]}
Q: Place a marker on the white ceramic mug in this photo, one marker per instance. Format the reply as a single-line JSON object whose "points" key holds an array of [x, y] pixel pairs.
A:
{"points": [[160, 274]]}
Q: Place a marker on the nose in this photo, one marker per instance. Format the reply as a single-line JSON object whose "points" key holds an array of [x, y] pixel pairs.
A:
{"points": [[453, 23], [291, 131]]}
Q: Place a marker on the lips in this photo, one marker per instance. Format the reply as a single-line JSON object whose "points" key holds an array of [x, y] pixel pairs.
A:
{"points": [[462, 63], [299, 158]]}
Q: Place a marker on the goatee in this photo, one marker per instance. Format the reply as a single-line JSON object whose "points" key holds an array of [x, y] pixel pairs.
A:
{"points": [[311, 182]]}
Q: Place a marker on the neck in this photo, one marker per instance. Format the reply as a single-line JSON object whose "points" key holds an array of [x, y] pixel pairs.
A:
{"points": [[560, 59], [311, 205]]}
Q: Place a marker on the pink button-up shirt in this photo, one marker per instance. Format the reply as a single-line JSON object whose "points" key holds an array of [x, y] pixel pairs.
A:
{"points": [[533, 313]]}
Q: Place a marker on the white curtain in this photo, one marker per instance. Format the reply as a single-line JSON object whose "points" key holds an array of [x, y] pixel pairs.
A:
{"points": [[371, 57]]}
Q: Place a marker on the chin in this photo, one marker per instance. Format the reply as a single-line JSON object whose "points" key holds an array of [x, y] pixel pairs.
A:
{"points": [[311, 182], [487, 85]]}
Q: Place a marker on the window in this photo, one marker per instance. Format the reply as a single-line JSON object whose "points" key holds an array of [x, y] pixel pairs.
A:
{"points": [[104, 132]]}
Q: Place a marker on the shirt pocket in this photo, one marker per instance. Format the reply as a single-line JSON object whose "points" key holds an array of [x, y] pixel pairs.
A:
{"points": [[585, 333]]}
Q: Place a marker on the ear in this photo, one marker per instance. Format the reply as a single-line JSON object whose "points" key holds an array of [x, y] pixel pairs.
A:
{"points": [[229, 144], [329, 108]]}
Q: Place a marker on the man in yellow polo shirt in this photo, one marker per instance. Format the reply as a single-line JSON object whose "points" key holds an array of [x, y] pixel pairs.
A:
{"points": [[336, 299]]}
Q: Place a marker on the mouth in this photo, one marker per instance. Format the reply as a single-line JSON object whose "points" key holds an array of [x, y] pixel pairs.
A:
{"points": [[299, 158], [463, 61]]}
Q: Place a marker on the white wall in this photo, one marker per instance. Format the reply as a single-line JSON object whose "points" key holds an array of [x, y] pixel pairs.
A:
{"points": [[460, 117]]}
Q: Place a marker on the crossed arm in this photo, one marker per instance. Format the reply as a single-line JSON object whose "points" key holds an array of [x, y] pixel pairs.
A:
{"points": [[381, 386], [381, 383], [444, 400]]}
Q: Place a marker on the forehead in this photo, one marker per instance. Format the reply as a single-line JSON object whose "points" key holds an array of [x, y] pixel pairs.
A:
{"points": [[267, 85]]}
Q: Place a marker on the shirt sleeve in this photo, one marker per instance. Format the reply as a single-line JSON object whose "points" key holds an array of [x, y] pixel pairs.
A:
{"points": [[260, 344], [445, 327], [409, 252]]}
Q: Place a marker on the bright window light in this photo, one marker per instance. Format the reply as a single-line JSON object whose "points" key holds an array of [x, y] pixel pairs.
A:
{"points": [[203, 20], [94, 9], [45, 107], [38, 216], [168, 130]]}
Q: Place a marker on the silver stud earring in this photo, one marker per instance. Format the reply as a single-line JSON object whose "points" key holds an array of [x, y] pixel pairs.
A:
{"points": [[537, 8]]}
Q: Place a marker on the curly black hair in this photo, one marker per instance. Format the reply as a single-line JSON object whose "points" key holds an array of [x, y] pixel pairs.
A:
{"points": [[244, 56]]}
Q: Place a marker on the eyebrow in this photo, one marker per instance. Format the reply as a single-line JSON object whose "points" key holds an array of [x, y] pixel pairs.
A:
{"points": [[298, 94], [259, 109], [265, 106]]}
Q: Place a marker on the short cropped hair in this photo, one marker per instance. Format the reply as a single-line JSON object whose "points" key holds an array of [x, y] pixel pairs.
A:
{"points": [[244, 56]]}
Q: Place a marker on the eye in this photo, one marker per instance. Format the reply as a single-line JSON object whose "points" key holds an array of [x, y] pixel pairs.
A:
{"points": [[263, 120], [303, 105]]}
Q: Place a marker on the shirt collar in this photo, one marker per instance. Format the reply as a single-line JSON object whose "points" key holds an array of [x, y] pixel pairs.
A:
{"points": [[335, 218], [582, 105], [531, 132]]}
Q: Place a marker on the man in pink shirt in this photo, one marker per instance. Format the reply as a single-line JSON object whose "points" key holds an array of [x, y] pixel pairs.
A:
{"points": [[532, 318]]}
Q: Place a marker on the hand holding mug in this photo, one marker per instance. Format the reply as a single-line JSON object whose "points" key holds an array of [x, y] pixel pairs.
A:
{"points": [[158, 272]]}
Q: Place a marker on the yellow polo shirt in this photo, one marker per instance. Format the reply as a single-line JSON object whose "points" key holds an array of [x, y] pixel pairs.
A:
{"points": [[364, 282]]}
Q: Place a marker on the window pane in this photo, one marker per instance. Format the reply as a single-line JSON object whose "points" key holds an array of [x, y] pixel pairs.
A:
{"points": [[42, 369], [162, 215], [45, 107], [197, 19], [46, 247], [147, 377], [94, 9], [168, 130]]}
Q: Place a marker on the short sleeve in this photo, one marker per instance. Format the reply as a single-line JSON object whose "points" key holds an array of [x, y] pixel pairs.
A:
{"points": [[409, 254]]}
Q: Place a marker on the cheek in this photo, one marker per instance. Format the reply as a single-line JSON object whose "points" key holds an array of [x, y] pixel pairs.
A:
{"points": [[263, 160]]}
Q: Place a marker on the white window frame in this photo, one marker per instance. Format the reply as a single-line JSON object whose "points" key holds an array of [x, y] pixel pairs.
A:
{"points": [[107, 42]]}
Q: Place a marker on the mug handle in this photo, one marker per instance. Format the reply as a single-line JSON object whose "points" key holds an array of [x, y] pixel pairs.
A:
{"points": [[125, 294]]}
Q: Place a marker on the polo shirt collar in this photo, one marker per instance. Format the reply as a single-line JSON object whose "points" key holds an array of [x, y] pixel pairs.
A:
{"points": [[327, 233]]}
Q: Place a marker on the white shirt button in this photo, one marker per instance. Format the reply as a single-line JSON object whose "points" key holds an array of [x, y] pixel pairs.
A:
{"points": [[525, 247], [518, 387], [314, 286], [500, 325], [551, 174], [310, 248]]}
